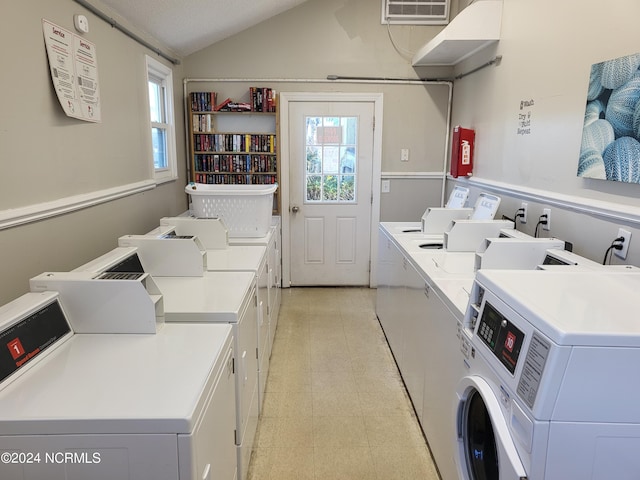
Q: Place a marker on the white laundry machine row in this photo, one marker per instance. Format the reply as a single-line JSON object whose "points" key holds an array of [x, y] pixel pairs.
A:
{"points": [[250, 258], [213, 235], [550, 385], [221, 257], [212, 297], [230, 298], [113, 406], [419, 305]]}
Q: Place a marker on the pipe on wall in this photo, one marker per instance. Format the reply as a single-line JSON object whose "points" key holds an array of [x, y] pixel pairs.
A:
{"points": [[333, 79]]}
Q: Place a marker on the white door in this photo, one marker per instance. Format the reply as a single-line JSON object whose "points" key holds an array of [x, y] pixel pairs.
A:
{"points": [[330, 185]]}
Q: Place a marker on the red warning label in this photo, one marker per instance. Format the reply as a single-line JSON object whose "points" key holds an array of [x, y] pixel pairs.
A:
{"points": [[16, 348]]}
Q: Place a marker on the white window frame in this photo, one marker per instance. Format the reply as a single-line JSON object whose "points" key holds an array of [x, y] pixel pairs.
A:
{"points": [[158, 71]]}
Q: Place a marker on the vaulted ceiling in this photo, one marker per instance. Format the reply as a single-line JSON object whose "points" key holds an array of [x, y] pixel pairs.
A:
{"points": [[187, 26]]}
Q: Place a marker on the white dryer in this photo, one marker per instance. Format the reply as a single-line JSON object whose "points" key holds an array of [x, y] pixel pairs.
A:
{"points": [[250, 258], [227, 298], [550, 388], [112, 406]]}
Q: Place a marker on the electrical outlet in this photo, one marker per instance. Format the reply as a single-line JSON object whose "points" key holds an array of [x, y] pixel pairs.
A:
{"points": [[404, 155], [523, 218], [625, 246], [547, 212]]}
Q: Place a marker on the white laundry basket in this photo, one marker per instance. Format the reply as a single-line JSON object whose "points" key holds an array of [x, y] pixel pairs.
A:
{"points": [[245, 209]]}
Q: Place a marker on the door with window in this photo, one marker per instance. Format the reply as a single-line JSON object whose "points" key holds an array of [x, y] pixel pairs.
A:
{"points": [[330, 181]]}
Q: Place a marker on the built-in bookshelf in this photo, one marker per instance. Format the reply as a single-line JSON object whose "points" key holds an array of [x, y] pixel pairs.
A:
{"points": [[234, 142]]}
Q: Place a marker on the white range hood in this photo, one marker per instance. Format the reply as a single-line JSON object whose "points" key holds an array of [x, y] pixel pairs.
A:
{"points": [[474, 28]]}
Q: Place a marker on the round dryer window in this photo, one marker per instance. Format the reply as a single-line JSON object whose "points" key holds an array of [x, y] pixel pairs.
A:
{"points": [[480, 443]]}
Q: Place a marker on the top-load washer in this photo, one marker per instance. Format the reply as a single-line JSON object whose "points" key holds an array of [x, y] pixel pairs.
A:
{"points": [[112, 406], [457, 201], [549, 391], [212, 297], [212, 234]]}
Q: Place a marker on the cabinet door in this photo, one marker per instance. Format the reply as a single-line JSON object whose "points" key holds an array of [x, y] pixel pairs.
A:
{"points": [[415, 333], [443, 369], [394, 318], [385, 273]]}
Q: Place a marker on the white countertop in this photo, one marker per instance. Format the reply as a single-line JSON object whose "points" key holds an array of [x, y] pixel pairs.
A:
{"points": [[117, 383]]}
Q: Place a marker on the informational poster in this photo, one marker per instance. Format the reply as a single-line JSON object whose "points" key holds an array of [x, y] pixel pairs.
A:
{"points": [[74, 72]]}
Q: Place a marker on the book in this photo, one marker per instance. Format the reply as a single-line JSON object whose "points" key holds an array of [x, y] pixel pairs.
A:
{"points": [[222, 105]]}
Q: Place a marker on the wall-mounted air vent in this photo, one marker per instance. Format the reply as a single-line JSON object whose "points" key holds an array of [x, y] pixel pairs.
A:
{"points": [[415, 12]]}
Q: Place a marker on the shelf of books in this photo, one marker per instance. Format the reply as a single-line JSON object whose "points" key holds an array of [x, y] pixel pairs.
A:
{"points": [[234, 142]]}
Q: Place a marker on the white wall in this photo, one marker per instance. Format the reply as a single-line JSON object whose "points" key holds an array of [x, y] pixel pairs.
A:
{"points": [[47, 156], [548, 48], [337, 37]]}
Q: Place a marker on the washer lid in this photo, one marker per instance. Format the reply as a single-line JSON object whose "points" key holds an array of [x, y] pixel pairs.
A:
{"points": [[572, 307], [118, 383], [214, 297], [236, 258]]}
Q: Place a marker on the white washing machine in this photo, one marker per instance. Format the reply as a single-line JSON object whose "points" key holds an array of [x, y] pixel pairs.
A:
{"points": [[550, 389], [213, 297], [229, 298], [112, 406], [213, 235], [272, 241], [250, 258]]}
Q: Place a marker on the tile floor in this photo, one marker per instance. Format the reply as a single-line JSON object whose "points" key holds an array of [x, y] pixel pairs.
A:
{"points": [[335, 406]]}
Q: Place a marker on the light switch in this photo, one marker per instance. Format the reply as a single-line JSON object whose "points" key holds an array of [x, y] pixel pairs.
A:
{"points": [[386, 186]]}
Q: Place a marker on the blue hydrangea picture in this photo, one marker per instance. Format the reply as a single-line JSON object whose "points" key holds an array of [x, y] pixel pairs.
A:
{"points": [[610, 148]]}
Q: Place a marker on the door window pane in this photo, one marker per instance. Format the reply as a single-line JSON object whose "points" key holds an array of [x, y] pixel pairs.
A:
{"points": [[331, 148]]}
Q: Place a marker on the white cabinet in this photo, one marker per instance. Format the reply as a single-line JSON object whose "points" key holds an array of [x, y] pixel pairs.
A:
{"points": [[443, 369], [390, 293], [415, 335], [422, 334]]}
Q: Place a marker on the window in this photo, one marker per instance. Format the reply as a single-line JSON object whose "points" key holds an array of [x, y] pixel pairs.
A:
{"points": [[331, 147], [163, 139], [415, 12]]}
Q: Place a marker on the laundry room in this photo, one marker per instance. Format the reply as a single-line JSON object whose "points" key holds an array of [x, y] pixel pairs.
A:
{"points": [[459, 155]]}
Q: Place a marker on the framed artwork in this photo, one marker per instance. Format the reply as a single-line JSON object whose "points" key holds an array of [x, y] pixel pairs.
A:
{"points": [[610, 148]]}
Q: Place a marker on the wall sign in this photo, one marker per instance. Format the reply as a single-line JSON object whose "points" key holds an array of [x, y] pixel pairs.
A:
{"points": [[610, 148], [74, 72], [524, 117]]}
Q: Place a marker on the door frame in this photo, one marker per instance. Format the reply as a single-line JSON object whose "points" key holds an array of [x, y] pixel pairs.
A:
{"points": [[285, 159]]}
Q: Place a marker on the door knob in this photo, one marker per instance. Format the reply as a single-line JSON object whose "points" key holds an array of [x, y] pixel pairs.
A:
{"points": [[295, 209]]}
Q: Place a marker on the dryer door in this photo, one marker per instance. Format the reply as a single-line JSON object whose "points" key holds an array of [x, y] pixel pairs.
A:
{"points": [[485, 449]]}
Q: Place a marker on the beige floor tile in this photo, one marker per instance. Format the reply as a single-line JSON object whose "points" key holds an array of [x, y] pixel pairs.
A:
{"points": [[384, 403], [294, 432], [374, 380], [343, 463], [393, 430], [403, 463], [337, 381], [287, 404], [260, 464], [336, 403], [293, 463], [339, 432], [289, 380], [267, 432]]}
